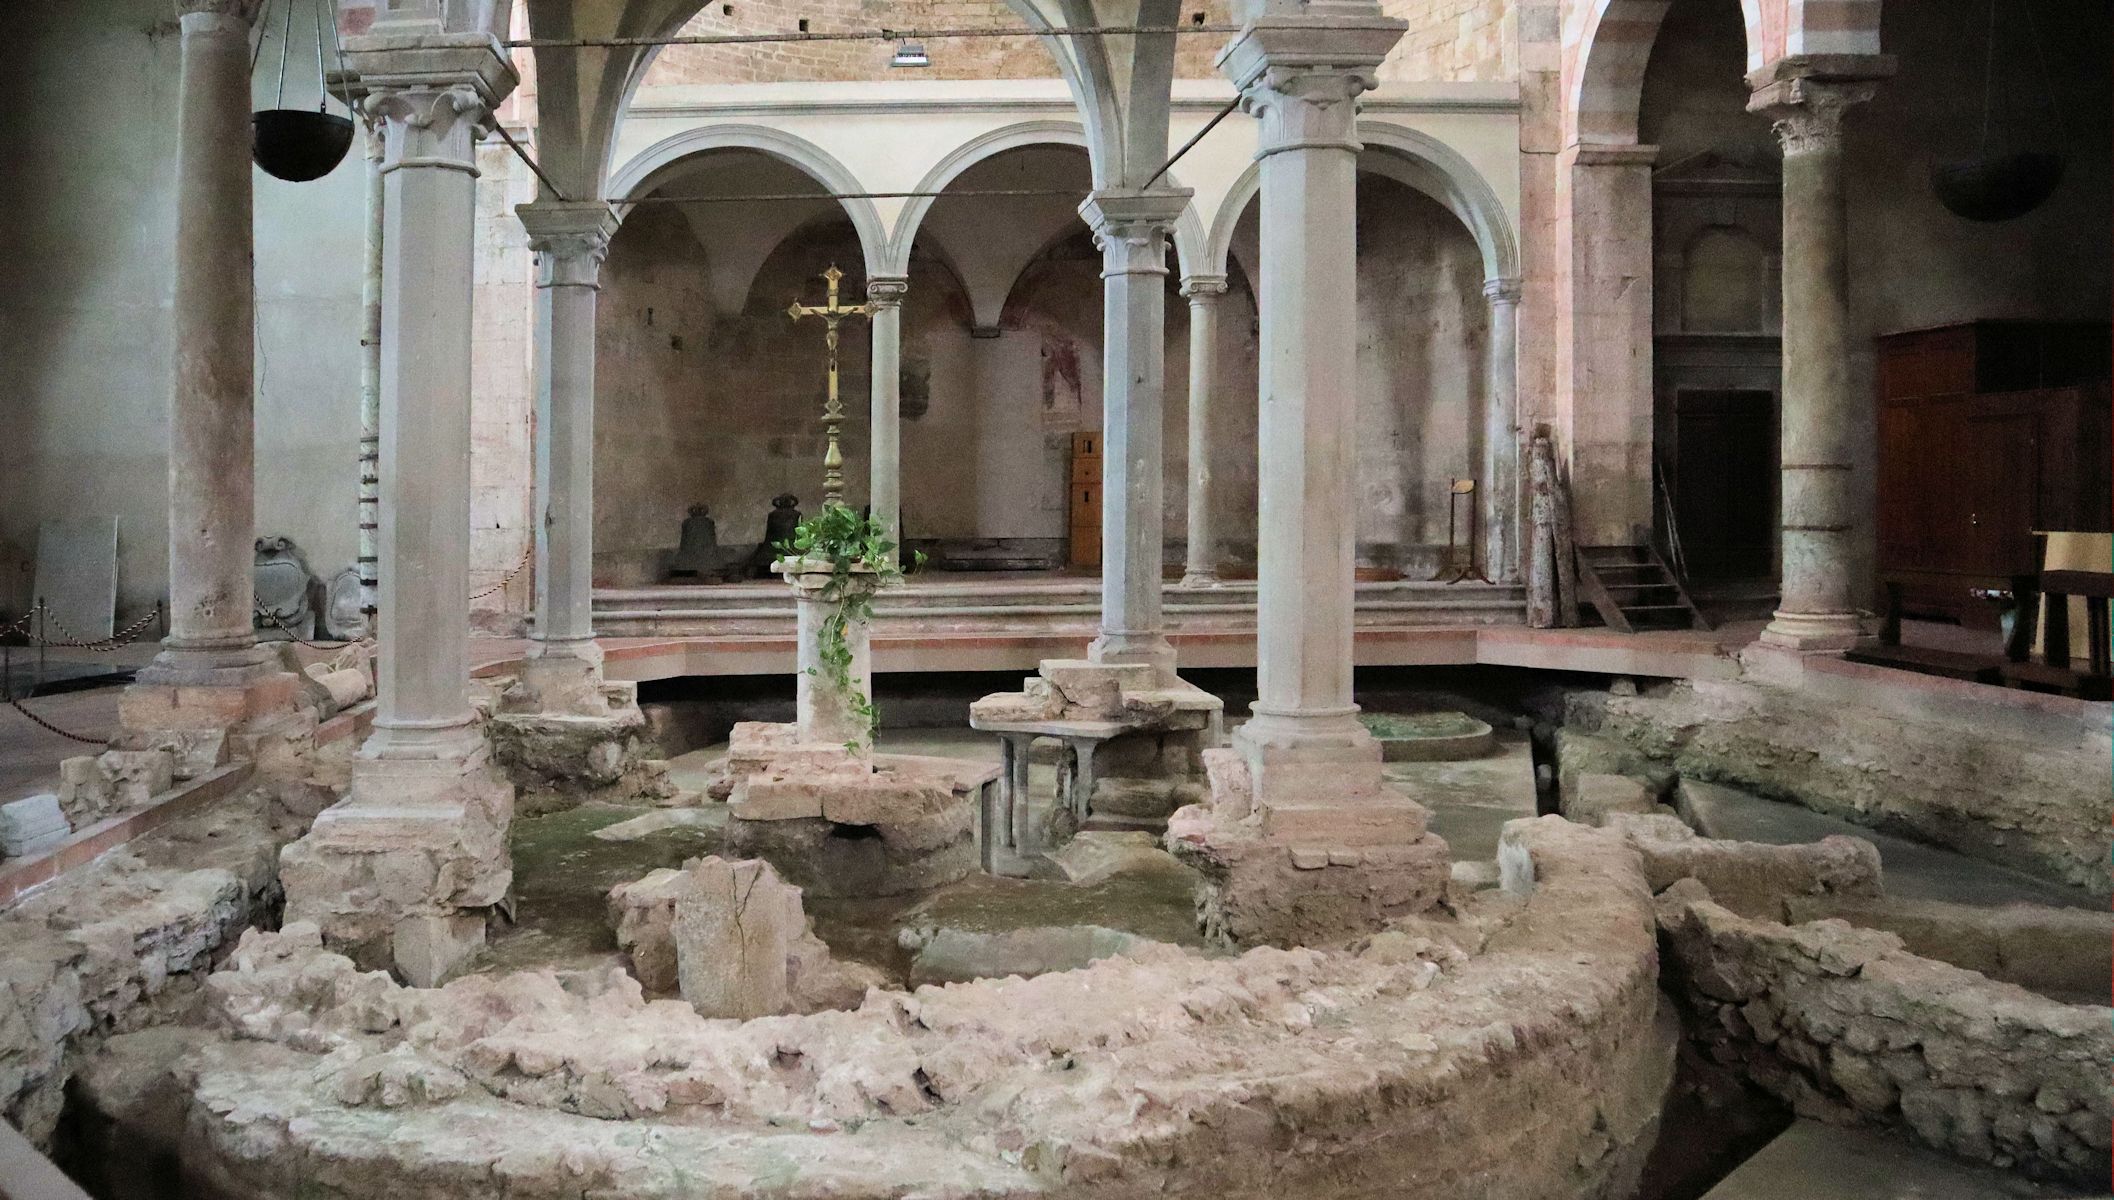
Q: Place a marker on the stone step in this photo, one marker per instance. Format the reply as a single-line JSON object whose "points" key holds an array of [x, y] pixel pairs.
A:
{"points": [[1813, 1161]]}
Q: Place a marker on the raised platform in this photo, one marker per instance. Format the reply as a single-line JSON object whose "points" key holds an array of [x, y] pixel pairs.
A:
{"points": [[1048, 603]]}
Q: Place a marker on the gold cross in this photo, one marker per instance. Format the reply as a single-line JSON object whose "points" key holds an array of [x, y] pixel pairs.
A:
{"points": [[832, 314]]}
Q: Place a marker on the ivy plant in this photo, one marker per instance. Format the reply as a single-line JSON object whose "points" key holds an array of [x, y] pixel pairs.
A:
{"points": [[856, 549]]}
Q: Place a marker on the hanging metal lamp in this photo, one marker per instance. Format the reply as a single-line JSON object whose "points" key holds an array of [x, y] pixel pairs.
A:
{"points": [[298, 144], [1994, 184]]}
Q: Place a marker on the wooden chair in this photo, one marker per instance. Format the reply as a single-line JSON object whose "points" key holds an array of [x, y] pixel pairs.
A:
{"points": [[2056, 671]]}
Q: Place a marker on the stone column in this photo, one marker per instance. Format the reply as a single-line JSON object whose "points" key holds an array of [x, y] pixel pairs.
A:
{"points": [[563, 672], [212, 474], [402, 870], [1204, 292], [1131, 228], [1822, 412], [1301, 75], [885, 483], [1501, 484]]}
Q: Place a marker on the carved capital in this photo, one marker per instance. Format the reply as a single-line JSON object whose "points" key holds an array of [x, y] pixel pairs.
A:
{"points": [[1301, 68], [431, 114], [1503, 290], [1131, 228], [1805, 97], [570, 239], [887, 291], [1204, 288]]}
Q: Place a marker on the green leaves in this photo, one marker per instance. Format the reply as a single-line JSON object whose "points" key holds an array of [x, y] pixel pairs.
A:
{"points": [[856, 549]]}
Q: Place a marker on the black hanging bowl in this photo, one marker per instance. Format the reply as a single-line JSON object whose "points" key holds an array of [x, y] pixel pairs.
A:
{"points": [[297, 144], [2000, 187]]}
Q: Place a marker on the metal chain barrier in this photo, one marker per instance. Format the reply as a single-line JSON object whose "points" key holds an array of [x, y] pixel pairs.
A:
{"points": [[43, 724], [526, 556]]}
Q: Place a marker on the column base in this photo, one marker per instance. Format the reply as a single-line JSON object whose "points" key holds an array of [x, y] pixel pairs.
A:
{"points": [[1200, 579], [402, 871], [564, 678], [1813, 633], [1301, 843], [183, 694], [1117, 648]]}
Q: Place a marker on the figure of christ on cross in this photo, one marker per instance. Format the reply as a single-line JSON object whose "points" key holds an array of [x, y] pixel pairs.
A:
{"points": [[832, 315]]}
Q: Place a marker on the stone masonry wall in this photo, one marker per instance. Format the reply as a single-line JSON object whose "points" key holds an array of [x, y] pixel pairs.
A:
{"points": [[1447, 40], [2021, 787], [1845, 1025]]}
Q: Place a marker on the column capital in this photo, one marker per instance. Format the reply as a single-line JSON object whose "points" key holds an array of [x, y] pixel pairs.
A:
{"points": [[431, 80], [1805, 96], [1204, 287], [887, 290], [1505, 289], [1317, 56], [570, 239], [1131, 227]]}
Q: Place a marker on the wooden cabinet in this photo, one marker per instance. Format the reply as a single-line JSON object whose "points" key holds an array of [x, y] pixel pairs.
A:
{"points": [[1987, 433]]}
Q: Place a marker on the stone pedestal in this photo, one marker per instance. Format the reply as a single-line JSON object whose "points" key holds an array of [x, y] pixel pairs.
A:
{"points": [[1200, 568], [1827, 423], [815, 799], [1133, 743], [1131, 228], [402, 870]]}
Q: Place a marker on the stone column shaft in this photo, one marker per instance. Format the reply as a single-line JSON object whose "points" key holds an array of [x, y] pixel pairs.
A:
{"points": [[1204, 292], [1821, 410], [885, 482], [212, 473], [432, 108], [1501, 482], [570, 240], [1132, 229], [1301, 76]]}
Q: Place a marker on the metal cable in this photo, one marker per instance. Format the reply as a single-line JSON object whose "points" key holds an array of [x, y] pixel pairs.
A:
{"points": [[883, 35], [527, 556]]}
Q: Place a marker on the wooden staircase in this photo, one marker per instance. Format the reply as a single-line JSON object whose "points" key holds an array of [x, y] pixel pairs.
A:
{"points": [[1633, 591]]}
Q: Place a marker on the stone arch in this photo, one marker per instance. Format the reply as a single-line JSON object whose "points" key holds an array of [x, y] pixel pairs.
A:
{"points": [[1416, 159], [1609, 46], [632, 178], [1189, 239]]}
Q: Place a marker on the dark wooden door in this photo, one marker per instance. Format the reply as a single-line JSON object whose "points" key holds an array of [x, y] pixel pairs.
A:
{"points": [[1725, 475]]}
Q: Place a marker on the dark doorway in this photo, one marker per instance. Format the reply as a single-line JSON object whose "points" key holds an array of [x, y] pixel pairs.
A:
{"points": [[1725, 475]]}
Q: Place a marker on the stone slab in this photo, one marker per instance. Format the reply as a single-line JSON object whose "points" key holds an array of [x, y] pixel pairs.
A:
{"points": [[1816, 1161], [77, 576], [32, 825], [733, 932]]}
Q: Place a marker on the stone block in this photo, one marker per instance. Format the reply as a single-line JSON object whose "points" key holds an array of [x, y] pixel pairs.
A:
{"points": [[1260, 890], [734, 932], [762, 798], [426, 949], [1753, 879], [643, 913], [32, 825], [1593, 797]]}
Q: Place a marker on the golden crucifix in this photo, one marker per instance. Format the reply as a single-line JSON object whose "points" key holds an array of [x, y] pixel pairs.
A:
{"points": [[833, 409]]}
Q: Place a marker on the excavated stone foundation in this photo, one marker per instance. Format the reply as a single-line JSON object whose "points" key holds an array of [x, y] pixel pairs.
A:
{"points": [[1512, 1051]]}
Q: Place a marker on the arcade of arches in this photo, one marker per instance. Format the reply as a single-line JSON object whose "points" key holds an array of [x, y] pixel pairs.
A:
{"points": [[1077, 598]]}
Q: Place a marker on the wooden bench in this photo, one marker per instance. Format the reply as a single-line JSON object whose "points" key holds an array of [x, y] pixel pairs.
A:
{"points": [[2054, 671]]}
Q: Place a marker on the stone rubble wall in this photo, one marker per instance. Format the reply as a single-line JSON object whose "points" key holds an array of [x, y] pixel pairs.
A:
{"points": [[2021, 788], [122, 945], [1845, 1025], [1515, 1053]]}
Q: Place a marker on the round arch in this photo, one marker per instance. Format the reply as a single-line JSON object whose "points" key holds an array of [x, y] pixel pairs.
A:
{"points": [[631, 179], [1614, 40], [1189, 238], [1418, 160]]}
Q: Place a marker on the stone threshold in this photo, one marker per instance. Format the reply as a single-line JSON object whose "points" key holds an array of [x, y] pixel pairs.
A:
{"points": [[21, 876]]}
